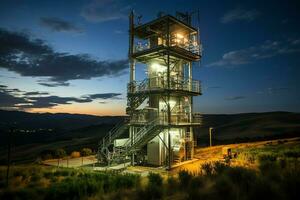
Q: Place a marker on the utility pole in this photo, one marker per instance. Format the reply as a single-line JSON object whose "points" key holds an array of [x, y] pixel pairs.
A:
{"points": [[210, 131]]}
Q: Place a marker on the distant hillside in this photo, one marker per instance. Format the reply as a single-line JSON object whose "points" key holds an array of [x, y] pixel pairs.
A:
{"points": [[61, 121], [73, 132], [250, 125]]}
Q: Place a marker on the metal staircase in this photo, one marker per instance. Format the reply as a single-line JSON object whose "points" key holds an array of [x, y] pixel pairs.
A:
{"points": [[143, 136], [134, 99], [104, 149]]}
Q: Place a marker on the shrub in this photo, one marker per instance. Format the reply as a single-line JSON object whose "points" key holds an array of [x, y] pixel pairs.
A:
{"points": [[194, 191], [86, 152], [154, 188], [264, 189], [75, 154], [291, 153], [223, 188], [171, 185], [47, 154], [219, 167], [184, 178], [155, 179], [207, 169], [60, 153], [267, 157]]}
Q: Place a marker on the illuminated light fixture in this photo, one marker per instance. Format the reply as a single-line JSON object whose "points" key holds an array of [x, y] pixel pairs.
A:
{"points": [[178, 35], [155, 67], [172, 103]]}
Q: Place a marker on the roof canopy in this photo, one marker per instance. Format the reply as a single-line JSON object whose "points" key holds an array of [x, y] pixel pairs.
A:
{"points": [[159, 25]]}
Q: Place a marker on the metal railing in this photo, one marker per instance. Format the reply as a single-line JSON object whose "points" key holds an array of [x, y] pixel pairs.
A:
{"points": [[177, 118], [108, 139], [161, 82], [188, 45]]}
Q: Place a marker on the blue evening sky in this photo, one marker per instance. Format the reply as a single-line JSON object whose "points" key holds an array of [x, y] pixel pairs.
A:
{"points": [[251, 52]]}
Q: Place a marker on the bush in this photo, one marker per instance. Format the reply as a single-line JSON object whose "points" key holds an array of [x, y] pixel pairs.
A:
{"points": [[207, 169], [172, 185], [154, 188], [267, 157], [184, 178], [219, 167], [194, 191], [60, 153], [75, 154], [155, 179], [86, 152], [47, 154], [291, 153]]}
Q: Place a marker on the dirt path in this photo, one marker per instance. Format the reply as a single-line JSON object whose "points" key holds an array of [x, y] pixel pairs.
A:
{"points": [[71, 162]]}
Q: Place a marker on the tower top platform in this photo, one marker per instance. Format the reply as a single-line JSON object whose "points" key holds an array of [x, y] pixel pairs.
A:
{"points": [[161, 24]]}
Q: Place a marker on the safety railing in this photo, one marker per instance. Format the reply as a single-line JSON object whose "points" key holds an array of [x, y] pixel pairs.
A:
{"points": [[161, 82], [178, 118], [190, 45]]}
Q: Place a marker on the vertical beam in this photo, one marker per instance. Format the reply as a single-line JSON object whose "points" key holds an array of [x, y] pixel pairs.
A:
{"points": [[210, 131], [192, 141], [131, 46], [169, 108], [190, 76], [191, 108], [132, 73]]}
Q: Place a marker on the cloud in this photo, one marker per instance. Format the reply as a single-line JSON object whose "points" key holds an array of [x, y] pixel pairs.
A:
{"points": [[35, 93], [274, 90], [55, 84], [104, 96], [51, 101], [233, 98], [240, 14], [104, 10], [248, 55], [119, 32], [33, 57], [214, 87], [21, 100], [59, 25], [10, 101], [3, 86]]}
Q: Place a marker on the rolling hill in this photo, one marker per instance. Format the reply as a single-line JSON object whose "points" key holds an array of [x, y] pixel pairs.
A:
{"points": [[73, 132]]}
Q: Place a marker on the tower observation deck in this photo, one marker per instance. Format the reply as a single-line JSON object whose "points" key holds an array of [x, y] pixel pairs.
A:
{"points": [[159, 107]]}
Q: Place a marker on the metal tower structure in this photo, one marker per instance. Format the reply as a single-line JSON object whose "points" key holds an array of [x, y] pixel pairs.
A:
{"points": [[160, 107]]}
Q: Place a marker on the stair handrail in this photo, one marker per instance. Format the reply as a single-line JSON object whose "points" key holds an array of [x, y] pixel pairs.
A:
{"points": [[140, 133], [107, 139]]}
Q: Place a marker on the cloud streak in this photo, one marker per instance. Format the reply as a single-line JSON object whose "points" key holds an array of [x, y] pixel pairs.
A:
{"points": [[249, 55], [274, 90], [20, 100], [239, 14], [59, 25], [104, 10], [35, 58], [234, 98]]}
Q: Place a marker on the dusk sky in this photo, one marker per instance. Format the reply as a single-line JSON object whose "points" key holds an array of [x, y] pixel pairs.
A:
{"points": [[71, 56]]}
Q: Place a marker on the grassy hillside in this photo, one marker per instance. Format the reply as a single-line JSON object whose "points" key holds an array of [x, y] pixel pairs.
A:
{"points": [[250, 125], [262, 170], [86, 131]]}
